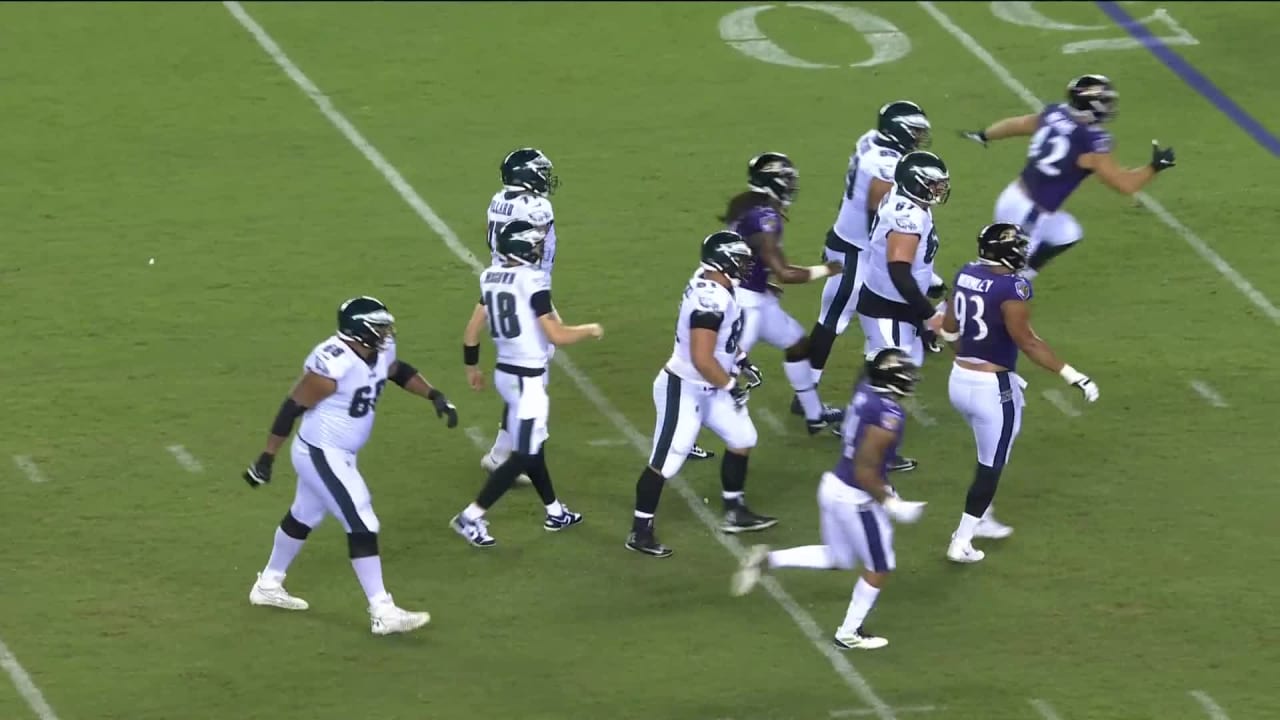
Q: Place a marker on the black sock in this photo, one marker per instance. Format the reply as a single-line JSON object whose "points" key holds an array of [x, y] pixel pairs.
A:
{"points": [[500, 481], [821, 339], [1045, 253], [648, 492], [733, 478], [535, 467], [982, 491]]}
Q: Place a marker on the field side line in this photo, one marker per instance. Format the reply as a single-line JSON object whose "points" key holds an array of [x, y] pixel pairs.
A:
{"points": [[776, 425], [1211, 396], [185, 458], [1211, 708], [477, 437], [29, 468], [917, 411], [25, 685], [1045, 709], [1206, 253], [1060, 401], [820, 640]]}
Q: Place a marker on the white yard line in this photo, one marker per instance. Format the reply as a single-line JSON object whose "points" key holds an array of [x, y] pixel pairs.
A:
{"points": [[867, 712], [1045, 709], [26, 687], [29, 468], [606, 442], [185, 458], [916, 410], [1201, 248], [477, 437], [1210, 395], [820, 639], [775, 425], [1211, 708], [1060, 401]]}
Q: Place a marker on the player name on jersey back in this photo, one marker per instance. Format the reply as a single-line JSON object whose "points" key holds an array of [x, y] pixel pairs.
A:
{"points": [[344, 420], [514, 298], [706, 303]]}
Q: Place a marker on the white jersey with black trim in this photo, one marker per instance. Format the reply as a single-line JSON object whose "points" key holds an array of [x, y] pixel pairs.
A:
{"points": [[514, 298], [706, 303], [509, 205], [344, 420], [899, 213], [869, 161]]}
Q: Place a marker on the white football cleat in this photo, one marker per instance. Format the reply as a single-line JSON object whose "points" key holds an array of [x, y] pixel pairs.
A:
{"points": [[993, 529], [964, 553], [858, 640], [749, 571], [385, 618], [489, 463], [273, 594]]}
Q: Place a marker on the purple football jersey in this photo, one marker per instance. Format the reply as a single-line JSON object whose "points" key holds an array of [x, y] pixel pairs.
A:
{"points": [[759, 219], [979, 293], [869, 407], [1052, 173]]}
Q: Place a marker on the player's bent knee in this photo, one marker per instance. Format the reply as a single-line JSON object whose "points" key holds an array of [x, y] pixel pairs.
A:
{"points": [[799, 350], [293, 527], [672, 464], [362, 544]]}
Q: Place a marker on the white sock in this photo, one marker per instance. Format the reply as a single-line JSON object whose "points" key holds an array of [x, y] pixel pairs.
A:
{"points": [[472, 512], [800, 375], [732, 497], [369, 573], [814, 557], [817, 377], [283, 551], [864, 598], [555, 509], [502, 447], [964, 533]]}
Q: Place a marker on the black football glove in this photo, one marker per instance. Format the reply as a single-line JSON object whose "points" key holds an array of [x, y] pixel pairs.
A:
{"points": [[751, 375], [1161, 159], [444, 408], [978, 136], [740, 396], [937, 292], [259, 473]]}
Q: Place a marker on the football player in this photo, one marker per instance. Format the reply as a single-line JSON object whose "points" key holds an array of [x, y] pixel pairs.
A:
{"points": [[515, 307], [1068, 144], [989, 317], [855, 500], [528, 181], [336, 397], [757, 215], [697, 386], [901, 128]]}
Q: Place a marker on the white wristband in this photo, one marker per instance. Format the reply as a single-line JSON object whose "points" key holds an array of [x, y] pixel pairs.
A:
{"points": [[817, 272], [1071, 375], [948, 336]]}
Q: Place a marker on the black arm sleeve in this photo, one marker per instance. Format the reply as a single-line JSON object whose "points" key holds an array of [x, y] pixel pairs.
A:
{"points": [[289, 412], [706, 320], [900, 274], [541, 302], [404, 373]]}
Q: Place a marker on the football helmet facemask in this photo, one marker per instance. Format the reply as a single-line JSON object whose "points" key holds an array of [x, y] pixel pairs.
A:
{"points": [[1093, 97], [367, 322], [1004, 244], [528, 169], [773, 174]]}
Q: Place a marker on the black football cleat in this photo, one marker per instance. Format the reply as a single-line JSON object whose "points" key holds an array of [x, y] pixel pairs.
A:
{"points": [[645, 543], [700, 453], [830, 417], [739, 519], [903, 464]]}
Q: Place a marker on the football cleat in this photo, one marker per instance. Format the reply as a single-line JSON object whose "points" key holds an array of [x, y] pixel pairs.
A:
{"points": [[566, 519], [830, 417], [475, 532], [385, 618], [859, 639], [964, 553], [750, 570], [993, 529], [739, 519], [647, 544], [489, 463], [700, 453], [903, 464], [273, 594]]}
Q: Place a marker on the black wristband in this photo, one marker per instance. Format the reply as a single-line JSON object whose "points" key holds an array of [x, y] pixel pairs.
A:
{"points": [[982, 135], [404, 373], [434, 395], [289, 412], [470, 354]]}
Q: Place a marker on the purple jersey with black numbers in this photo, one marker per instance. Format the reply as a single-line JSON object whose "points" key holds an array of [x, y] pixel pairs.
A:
{"points": [[1052, 171], [979, 292], [758, 219], [867, 408]]}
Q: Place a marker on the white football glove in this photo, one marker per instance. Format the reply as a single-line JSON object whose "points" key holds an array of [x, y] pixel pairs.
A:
{"points": [[1075, 378], [903, 511]]}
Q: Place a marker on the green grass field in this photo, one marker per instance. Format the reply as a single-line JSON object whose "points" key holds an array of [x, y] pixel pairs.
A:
{"points": [[1143, 569]]}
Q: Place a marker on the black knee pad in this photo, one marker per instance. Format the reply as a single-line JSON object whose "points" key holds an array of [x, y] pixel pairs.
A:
{"points": [[362, 544], [293, 528]]}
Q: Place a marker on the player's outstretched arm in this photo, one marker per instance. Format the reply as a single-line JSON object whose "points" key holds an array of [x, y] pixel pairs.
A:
{"points": [[307, 392], [765, 245], [560, 334], [408, 378], [1016, 126], [1131, 180], [1017, 318]]}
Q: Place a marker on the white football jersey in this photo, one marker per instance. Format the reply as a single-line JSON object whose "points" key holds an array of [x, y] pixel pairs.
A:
{"points": [[868, 161], [508, 205], [514, 298], [344, 419], [710, 300], [899, 213]]}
